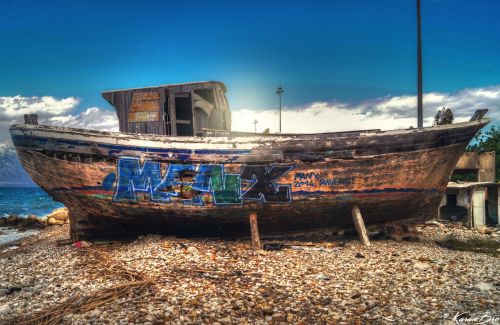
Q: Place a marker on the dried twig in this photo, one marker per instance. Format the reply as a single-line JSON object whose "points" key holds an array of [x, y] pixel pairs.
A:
{"points": [[137, 283]]}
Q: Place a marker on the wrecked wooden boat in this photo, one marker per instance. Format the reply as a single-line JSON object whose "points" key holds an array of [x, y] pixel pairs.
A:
{"points": [[177, 168]]}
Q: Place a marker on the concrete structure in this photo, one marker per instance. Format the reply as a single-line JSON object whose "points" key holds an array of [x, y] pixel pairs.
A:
{"points": [[475, 203], [483, 164]]}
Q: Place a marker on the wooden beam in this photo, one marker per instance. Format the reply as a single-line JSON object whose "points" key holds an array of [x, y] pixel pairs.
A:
{"points": [[194, 117], [172, 115], [360, 225], [254, 228], [201, 103]]}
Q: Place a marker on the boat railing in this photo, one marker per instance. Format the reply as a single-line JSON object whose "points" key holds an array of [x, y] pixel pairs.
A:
{"points": [[207, 132]]}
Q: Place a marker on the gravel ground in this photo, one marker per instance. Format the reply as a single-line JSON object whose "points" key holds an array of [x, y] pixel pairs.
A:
{"points": [[225, 282]]}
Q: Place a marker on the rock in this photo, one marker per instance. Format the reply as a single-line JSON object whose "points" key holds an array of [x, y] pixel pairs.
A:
{"points": [[82, 244], [359, 255], [484, 230], [484, 286], [422, 266], [85, 243], [12, 220], [434, 223], [192, 250], [4, 308], [31, 222], [2, 233], [53, 221], [11, 290], [322, 277], [61, 215], [273, 246], [32, 218]]}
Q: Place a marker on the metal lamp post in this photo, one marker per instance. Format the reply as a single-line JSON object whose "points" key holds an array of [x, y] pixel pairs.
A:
{"points": [[420, 109], [279, 91]]}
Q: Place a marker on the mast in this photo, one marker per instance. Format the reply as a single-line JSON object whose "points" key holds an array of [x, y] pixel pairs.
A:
{"points": [[419, 68]]}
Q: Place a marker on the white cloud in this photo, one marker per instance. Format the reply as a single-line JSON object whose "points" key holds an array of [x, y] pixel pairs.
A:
{"points": [[16, 106], [381, 113], [92, 118], [317, 117], [52, 111]]}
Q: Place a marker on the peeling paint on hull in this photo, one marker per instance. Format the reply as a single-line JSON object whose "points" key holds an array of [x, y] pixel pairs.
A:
{"points": [[120, 184]]}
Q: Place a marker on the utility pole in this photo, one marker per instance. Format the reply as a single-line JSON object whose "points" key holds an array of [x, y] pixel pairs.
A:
{"points": [[279, 91], [420, 109], [255, 125]]}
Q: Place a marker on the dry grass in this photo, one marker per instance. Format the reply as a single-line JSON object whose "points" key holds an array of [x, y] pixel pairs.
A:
{"points": [[135, 287]]}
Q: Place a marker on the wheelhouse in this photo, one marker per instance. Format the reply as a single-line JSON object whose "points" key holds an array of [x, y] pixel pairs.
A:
{"points": [[186, 109]]}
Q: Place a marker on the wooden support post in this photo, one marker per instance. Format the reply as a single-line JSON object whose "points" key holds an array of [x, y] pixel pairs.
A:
{"points": [[360, 225], [73, 229], [255, 231]]}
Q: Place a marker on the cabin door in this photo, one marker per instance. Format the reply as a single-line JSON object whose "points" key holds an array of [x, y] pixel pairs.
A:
{"points": [[478, 208], [184, 114]]}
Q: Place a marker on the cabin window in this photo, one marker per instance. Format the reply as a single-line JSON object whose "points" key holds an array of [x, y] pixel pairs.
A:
{"points": [[145, 107]]}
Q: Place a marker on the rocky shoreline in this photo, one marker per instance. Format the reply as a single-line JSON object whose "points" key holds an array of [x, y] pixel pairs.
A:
{"points": [[167, 280], [14, 228], [57, 217]]}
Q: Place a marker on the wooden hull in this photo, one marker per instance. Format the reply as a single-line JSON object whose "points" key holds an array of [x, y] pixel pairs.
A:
{"points": [[118, 184]]}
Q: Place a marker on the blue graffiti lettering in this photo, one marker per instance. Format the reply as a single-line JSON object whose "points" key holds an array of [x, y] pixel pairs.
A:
{"points": [[132, 179], [197, 185]]}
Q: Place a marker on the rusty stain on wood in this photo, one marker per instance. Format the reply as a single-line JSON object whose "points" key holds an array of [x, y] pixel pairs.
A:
{"points": [[139, 97], [143, 116]]}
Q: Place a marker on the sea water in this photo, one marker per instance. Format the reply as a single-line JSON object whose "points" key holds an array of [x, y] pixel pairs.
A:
{"points": [[24, 201]]}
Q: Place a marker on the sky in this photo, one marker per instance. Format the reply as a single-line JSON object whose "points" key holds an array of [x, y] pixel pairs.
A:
{"points": [[343, 64]]}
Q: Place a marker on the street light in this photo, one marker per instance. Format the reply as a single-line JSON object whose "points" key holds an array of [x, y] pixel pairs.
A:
{"points": [[279, 91]]}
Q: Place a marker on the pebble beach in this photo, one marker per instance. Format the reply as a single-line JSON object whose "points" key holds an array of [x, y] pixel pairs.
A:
{"points": [[45, 279]]}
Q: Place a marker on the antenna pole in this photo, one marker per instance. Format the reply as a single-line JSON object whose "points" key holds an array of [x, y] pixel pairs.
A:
{"points": [[419, 69]]}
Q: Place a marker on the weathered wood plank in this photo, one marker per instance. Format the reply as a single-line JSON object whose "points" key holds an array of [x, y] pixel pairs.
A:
{"points": [[254, 229], [360, 225]]}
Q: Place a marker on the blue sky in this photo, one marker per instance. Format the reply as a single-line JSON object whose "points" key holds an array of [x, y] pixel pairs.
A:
{"points": [[328, 51]]}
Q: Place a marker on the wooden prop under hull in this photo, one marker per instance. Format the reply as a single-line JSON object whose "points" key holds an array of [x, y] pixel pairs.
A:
{"points": [[116, 184]]}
